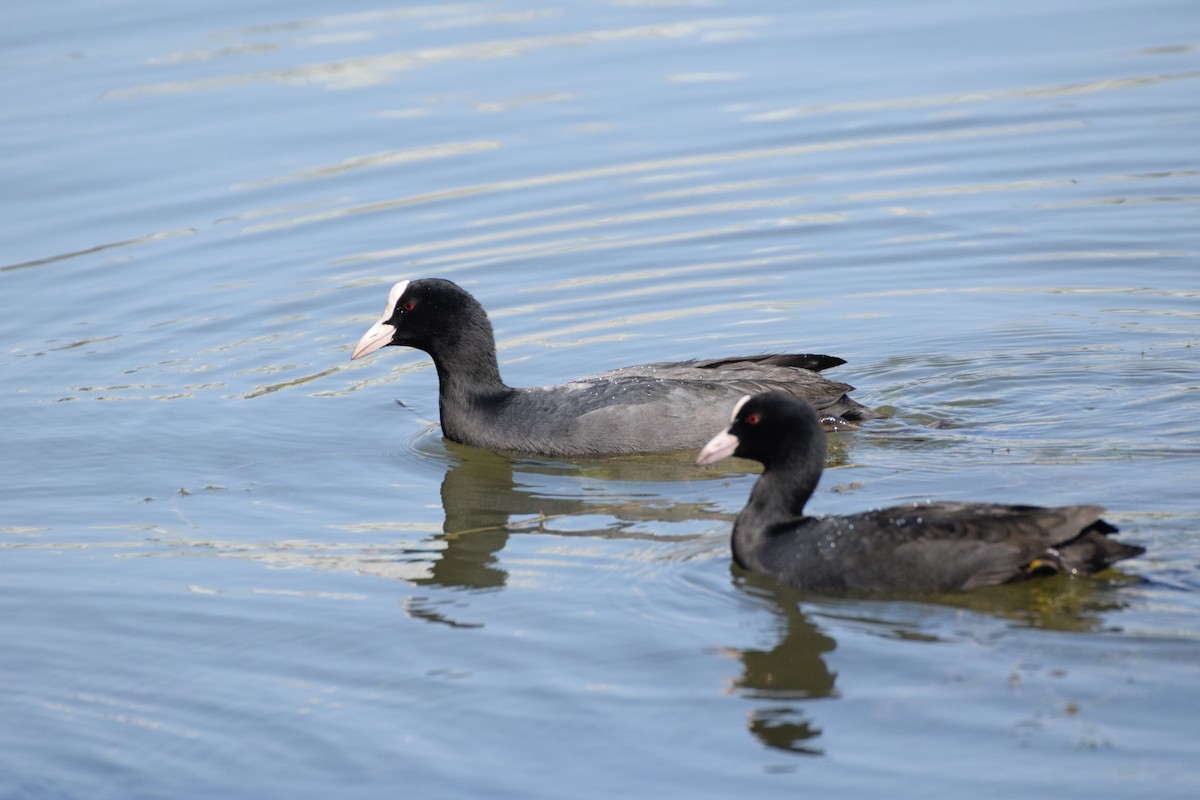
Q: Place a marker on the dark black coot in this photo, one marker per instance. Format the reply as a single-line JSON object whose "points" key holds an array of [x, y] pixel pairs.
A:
{"points": [[644, 409], [923, 547]]}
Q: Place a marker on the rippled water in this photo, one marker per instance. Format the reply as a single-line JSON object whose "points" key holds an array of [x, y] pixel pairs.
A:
{"points": [[232, 565]]}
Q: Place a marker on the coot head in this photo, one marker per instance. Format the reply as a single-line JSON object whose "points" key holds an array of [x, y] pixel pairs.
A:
{"points": [[772, 428], [423, 314]]}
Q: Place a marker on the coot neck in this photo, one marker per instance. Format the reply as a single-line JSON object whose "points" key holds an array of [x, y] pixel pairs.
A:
{"points": [[783, 489], [468, 371], [778, 497]]}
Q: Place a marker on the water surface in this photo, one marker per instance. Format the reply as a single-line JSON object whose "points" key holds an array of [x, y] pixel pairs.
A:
{"points": [[232, 564]]}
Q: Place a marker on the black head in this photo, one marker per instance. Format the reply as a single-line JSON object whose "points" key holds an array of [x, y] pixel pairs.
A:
{"points": [[424, 314], [772, 428]]}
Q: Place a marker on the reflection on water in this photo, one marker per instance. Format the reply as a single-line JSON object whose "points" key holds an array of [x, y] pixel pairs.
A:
{"points": [[972, 97], [658, 166], [781, 683], [98, 248], [365, 71], [391, 158], [487, 497], [778, 681]]}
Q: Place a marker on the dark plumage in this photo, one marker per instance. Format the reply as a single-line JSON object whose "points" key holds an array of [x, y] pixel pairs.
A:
{"points": [[923, 547], [643, 409]]}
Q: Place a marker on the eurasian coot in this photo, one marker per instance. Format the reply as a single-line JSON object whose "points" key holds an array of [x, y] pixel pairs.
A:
{"points": [[925, 547], [643, 409]]}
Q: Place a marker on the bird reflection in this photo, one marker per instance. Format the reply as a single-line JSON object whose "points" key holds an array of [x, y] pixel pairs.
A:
{"points": [[792, 671], [488, 496], [478, 496], [781, 683]]}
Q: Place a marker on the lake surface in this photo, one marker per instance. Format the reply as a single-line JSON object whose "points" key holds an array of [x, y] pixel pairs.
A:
{"points": [[232, 565]]}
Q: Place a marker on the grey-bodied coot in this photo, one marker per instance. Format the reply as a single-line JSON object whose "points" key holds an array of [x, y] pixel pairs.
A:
{"points": [[644, 409], [922, 547]]}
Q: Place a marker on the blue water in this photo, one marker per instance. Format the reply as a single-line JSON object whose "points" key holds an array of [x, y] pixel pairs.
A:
{"points": [[231, 564]]}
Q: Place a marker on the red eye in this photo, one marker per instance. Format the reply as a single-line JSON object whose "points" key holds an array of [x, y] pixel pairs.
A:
{"points": [[410, 305], [752, 419]]}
